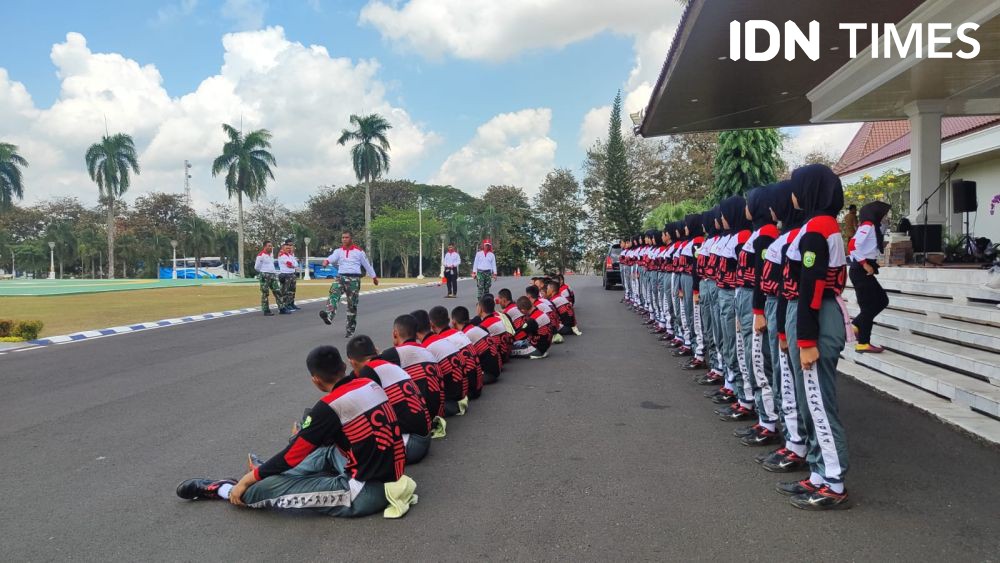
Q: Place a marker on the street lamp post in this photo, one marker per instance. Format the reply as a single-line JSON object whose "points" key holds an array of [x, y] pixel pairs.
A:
{"points": [[52, 260], [173, 274], [306, 265], [420, 236]]}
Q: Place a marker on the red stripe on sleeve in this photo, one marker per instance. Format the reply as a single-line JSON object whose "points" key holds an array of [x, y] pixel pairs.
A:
{"points": [[817, 299]]}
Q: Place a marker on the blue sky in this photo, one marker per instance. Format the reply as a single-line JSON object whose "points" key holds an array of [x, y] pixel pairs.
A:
{"points": [[533, 77]]}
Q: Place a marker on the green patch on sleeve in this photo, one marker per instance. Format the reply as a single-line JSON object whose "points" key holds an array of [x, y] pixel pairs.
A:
{"points": [[809, 259]]}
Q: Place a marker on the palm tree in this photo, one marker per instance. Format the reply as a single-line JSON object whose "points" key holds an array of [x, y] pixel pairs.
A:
{"points": [[198, 238], [227, 242], [108, 164], [247, 163], [370, 156], [11, 184]]}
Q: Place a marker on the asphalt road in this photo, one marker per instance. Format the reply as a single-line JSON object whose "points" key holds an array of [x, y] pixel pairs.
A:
{"points": [[604, 451]]}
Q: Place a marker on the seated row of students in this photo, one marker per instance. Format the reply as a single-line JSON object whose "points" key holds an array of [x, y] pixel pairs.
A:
{"points": [[759, 307], [348, 454]]}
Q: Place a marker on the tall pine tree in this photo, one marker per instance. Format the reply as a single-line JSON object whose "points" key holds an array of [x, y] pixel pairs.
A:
{"points": [[747, 158], [621, 206]]}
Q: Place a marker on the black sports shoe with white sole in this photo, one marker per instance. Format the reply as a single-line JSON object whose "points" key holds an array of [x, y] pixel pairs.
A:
{"points": [[760, 437], [202, 489], [823, 499], [792, 488], [784, 462], [326, 317]]}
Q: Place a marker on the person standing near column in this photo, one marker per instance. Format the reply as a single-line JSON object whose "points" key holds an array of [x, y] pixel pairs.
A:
{"points": [[484, 269], [268, 280], [863, 251], [349, 260], [287, 266], [451, 262]]}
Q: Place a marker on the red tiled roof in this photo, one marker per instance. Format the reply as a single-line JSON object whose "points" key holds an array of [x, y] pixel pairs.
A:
{"points": [[879, 141]]}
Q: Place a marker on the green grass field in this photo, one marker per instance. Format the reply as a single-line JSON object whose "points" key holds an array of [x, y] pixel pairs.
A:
{"points": [[64, 314]]}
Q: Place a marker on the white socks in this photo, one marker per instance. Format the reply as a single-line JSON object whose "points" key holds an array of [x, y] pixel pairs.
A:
{"points": [[224, 491]]}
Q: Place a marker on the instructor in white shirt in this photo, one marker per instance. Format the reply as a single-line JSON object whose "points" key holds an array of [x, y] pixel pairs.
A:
{"points": [[451, 263], [349, 261], [484, 269]]}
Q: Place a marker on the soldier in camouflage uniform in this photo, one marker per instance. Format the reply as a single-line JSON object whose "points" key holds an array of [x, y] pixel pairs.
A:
{"points": [[287, 266], [484, 269], [268, 280], [349, 261]]}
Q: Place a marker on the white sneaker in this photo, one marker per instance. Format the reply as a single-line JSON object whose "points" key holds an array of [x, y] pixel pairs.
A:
{"points": [[537, 356], [577, 332]]}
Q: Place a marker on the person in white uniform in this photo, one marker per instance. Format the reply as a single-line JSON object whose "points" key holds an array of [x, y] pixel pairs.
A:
{"points": [[484, 269], [264, 264], [451, 262], [349, 261]]}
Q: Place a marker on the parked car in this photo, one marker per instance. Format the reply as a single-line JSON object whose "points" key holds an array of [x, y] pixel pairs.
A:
{"points": [[612, 271]]}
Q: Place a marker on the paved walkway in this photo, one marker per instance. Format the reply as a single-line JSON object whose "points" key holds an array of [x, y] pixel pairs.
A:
{"points": [[603, 452]]}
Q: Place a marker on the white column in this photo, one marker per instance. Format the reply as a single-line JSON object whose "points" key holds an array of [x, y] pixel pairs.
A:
{"points": [[925, 160]]}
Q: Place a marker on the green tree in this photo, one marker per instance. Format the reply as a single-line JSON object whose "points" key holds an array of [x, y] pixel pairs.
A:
{"points": [[62, 233], [399, 230], [370, 157], [560, 212], [11, 179], [746, 158], [198, 238], [109, 164], [247, 163], [668, 212], [620, 201]]}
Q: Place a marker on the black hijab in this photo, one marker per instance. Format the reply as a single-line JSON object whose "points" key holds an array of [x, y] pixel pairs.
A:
{"points": [[693, 224], [875, 212], [706, 222], [759, 202], [734, 210], [818, 190]]}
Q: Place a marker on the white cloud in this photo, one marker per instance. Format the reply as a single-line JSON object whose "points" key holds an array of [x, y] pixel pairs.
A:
{"points": [[245, 14], [831, 139], [511, 148], [491, 30], [301, 93]]}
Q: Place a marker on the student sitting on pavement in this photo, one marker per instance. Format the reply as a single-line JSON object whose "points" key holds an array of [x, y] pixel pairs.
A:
{"points": [[441, 324], [492, 322], [451, 365], [417, 361], [347, 460], [534, 293], [485, 350], [567, 316], [534, 340], [407, 403]]}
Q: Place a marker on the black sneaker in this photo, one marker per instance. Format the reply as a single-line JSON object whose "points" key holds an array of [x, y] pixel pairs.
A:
{"points": [[823, 499], [326, 317], [202, 489], [745, 431], [695, 364], [682, 352], [736, 413], [784, 462], [761, 437], [761, 458], [254, 461], [284, 312], [793, 488], [711, 378], [724, 399], [268, 313], [349, 333]]}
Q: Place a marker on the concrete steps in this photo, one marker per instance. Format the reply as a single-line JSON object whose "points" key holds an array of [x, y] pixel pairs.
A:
{"points": [[959, 416], [941, 333]]}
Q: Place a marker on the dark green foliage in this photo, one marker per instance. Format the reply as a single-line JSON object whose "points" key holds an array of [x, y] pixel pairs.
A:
{"points": [[747, 158], [27, 330], [621, 205]]}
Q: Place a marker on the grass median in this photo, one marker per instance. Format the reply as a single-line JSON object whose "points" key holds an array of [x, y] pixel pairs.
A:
{"points": [[63, 314]]}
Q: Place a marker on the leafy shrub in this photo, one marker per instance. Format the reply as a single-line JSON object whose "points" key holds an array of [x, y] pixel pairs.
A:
{"points": [[27, 330], [10, 339], [5, 326]]}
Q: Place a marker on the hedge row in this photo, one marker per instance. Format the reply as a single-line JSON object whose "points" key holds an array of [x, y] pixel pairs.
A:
{"points": [[25, 330]]}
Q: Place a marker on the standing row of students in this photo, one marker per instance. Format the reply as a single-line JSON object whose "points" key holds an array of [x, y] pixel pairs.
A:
{"points": [[750, 291], [348, 454]]}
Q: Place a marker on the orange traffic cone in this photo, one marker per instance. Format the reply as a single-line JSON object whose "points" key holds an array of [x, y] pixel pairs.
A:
{"points": [[517, 273]]}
